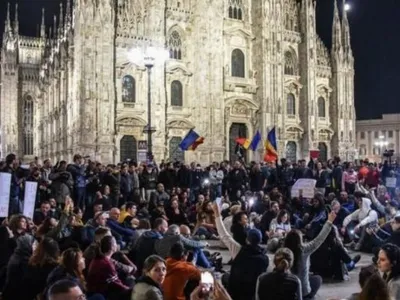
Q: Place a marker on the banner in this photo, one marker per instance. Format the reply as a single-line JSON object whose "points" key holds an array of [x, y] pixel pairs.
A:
{"points": [[306, 185], [5, 186], [30, 198], [391, 182]]}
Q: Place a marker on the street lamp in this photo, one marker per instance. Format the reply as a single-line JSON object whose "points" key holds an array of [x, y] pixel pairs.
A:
{"points": [[148, 57], [381, 143]]}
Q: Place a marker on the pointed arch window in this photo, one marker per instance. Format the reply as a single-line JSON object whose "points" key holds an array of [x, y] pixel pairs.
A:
{"points": [[28, 125], [175, 45], [238, 63], [321, 107], [290, 64], [128, 89], [235, 10], [176, 93], [291, 105]]}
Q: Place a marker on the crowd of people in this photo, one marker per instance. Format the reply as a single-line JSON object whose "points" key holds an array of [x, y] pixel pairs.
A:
{"points": [[143, 231]]}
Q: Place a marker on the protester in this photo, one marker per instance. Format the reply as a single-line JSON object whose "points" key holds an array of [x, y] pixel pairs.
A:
{"points": [[389, 265]]}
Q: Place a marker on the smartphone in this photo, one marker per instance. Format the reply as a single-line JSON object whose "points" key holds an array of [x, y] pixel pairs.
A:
{"points": [[218, 201], [207, 282]]}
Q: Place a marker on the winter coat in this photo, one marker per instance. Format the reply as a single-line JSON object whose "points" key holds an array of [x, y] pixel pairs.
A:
{"points": [[146, 289], [61, 185], [17, 267]]}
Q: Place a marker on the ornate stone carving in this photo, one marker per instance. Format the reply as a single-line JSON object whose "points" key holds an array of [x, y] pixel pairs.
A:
{"points": [[240, 109]]}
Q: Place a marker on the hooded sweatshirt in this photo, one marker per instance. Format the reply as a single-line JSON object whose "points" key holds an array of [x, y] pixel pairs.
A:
{"points": [[179, 272], [364, 215], [145, 246]]}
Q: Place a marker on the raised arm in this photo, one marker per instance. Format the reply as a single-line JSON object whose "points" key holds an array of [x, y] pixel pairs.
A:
{"points": [[225, 237]]}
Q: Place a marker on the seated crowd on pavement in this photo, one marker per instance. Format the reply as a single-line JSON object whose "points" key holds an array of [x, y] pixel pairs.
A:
{"points": [[148, 231]]}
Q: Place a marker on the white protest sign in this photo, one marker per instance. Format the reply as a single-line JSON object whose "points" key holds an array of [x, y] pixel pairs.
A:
{"points": [[30, 198], [306, 185], [391, 182], [5, 186]]}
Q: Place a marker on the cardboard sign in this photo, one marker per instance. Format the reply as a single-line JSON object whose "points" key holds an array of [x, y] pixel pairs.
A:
{"points": [[30, 198], [5, 186], [391, 182], [306, 185]]}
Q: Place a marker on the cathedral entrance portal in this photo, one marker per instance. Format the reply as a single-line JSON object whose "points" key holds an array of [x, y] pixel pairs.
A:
{"points": [[323, 152], [128, 148], [237, 130]]}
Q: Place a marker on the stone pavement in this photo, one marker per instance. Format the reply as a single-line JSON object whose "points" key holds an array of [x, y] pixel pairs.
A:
{"points": [[336, 290]]}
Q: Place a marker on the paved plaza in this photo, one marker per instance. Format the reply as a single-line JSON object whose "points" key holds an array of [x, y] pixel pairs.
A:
{"points": [[336, 290]]}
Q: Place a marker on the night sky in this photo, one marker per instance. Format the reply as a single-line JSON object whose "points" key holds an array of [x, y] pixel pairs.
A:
{"points": [[375, 27]]}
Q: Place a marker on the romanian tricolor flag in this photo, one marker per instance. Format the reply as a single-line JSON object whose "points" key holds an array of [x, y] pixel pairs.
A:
{"points": [[244, 142], [271, 150], [191, 141]]}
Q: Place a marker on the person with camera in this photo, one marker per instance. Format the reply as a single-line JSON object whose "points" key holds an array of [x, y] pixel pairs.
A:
{"points": [[62, 183]]}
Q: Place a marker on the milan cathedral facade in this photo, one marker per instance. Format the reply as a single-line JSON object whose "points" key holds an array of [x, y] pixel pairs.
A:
{"points": [[234, 67]]}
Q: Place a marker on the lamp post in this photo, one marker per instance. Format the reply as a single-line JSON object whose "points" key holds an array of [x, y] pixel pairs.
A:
{"points": [[381, 143], [148, 58]]}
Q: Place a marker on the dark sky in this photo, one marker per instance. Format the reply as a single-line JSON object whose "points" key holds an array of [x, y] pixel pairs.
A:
{"points": [[375, 27]]}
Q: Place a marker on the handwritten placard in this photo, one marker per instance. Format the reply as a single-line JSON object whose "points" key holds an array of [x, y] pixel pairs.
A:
{"points": [[5, 186], [306, 185], [391, 182], [30, 198]]}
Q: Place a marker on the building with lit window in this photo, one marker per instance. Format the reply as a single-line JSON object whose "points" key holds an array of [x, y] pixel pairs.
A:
{"points": [[374, 136], [234, 67]]}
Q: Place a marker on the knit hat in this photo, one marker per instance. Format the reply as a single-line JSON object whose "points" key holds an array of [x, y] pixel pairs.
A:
{"points": [[254, 236]]}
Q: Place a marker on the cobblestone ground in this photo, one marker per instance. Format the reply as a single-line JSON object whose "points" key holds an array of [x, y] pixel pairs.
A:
{"points": [[328, 291]]}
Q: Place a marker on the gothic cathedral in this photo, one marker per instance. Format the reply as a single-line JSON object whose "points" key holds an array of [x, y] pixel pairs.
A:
{"points": [[234, 67]]}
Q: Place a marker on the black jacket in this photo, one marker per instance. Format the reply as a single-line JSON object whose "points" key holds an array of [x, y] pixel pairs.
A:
{"points": [[279, 286], [247, 266]]}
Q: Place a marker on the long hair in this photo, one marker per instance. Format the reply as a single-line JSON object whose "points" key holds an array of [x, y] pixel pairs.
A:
{"points": [[375, 289], [47, 252], [45, 227], [293, 241], [14, 222], [393, 254], [70, 261], [280, 215]]}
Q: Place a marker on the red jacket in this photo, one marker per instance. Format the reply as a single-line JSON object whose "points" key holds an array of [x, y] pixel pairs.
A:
{"points": [[103, 278]]}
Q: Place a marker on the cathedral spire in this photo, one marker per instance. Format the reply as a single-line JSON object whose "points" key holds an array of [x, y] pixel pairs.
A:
{"points": [[7, 28], [346, 32], [336, 30], [16, 22], [43, 26], [61, 21], [55, 27], [68, 15]]}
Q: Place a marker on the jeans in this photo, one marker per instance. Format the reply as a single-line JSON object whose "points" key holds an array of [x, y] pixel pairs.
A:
{"points": [[315, 284], [80, 196], [200, 258], [15, 206], [203, 231]]}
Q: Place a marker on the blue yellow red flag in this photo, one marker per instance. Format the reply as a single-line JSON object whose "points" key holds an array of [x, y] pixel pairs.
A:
{"points": [[191, 141], [271, 150]]}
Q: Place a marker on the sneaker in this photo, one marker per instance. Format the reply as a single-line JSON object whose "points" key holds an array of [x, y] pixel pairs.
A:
{"points": [[356, 259], [350, 266]]}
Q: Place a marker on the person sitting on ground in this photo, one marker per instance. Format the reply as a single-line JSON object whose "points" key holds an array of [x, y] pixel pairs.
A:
{"points": [[173, 236], [102, 277], [179, 273], [278, 229], [128, 212], [375, 289], [145, 245], [42, 262], [302, 252], [249, 261], [69, 289], [112, 222], [149, 286], [365, 216], [280, 284], [341, 213], [365, 274], [240, 227], [389, 265]]}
